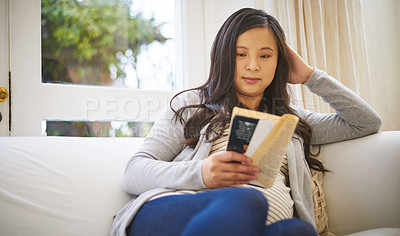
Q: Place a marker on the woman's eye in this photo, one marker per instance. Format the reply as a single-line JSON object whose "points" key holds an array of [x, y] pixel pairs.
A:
{"points": [[264, 56], [240, 54]]}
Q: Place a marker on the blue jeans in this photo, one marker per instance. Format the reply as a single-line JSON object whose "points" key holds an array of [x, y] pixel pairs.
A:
{"points": [[228, 211]]}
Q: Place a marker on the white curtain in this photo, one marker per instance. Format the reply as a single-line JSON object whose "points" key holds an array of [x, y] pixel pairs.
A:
{"points": [[330, 36]]}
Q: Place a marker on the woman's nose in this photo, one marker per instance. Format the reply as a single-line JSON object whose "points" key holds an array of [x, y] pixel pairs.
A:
{"points": [[252, 65]]}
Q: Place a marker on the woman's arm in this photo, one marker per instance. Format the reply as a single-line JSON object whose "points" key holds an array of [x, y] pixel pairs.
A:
{"points": [[154, 165], [163, 162], [353, 116]]}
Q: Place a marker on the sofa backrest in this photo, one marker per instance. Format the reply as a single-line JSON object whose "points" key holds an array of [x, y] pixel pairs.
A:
{"points": [[363, 190]]}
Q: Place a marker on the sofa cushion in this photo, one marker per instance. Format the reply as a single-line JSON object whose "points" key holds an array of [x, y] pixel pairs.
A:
{"points": [[60, 185], [320, 208]]}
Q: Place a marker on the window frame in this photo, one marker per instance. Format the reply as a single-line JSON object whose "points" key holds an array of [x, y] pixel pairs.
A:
{"points": [[34, 101]]}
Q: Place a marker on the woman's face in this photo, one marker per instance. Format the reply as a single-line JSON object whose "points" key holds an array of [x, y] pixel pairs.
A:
{"points": [[256, 61]]}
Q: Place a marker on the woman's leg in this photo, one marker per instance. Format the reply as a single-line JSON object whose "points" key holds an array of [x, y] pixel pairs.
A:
{"points": [[227, 211], [234, 211], [292, 226]]}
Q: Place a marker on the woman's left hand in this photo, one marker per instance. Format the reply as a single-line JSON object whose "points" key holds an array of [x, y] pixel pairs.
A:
{"points": [[299, 70]]}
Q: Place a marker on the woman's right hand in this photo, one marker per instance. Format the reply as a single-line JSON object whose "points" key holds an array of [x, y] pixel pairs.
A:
{"points": [[227, 168]]}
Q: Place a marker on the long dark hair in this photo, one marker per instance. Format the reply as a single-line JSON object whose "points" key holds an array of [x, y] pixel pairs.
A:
{"points": [[218, 96]]}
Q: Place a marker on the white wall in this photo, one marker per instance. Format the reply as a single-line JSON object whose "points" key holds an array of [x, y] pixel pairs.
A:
{"points": [[382, 26]]}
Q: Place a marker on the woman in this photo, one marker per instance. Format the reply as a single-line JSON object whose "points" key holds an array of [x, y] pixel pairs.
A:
{"points": [[181, 177]]}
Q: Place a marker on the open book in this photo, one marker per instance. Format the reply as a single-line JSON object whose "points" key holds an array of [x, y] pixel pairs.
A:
{"points": [[264, 138]]}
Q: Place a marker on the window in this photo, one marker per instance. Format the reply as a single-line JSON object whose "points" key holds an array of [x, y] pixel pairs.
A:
{"points": [[114, 43], [97, 128], [119, 43], [35, 103]]}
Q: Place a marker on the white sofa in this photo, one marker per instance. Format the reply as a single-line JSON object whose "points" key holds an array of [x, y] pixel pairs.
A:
{"points": [[72, 186]]}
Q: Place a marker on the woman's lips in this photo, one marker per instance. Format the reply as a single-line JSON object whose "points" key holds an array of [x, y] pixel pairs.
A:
{"points": [[251, 80]]}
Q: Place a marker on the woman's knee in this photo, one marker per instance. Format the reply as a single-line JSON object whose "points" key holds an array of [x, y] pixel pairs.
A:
{"points": [[231, 211], [292, 226], [246, 196], [303, 228]]}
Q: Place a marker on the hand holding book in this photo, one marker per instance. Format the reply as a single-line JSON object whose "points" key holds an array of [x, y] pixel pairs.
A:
{"points": [[224, 168]]}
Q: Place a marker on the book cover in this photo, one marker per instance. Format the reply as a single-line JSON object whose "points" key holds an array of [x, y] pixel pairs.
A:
{"points": [[264, 138], [242, 131]]}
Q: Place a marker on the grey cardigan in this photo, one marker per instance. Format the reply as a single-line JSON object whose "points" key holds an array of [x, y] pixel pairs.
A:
{"points": [[163, 165]]}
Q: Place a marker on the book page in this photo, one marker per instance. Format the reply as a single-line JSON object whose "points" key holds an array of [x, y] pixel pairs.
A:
{"points": [[270, 153], [264, 126]]}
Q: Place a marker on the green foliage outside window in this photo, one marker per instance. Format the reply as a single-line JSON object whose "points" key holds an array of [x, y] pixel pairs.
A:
{"points": [[82, 38], [97, 128]]}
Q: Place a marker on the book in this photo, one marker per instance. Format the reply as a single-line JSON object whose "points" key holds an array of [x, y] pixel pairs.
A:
{"points": [[264, 138]]}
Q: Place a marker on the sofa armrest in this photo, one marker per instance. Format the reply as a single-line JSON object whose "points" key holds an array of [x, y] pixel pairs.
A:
{"points": [[363, 189]]}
